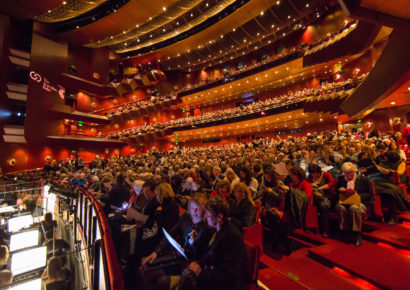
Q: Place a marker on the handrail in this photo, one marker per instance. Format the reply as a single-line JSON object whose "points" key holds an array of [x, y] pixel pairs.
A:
{"points": [[111, 261]]}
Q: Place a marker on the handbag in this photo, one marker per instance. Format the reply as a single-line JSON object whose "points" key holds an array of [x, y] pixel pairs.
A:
{"points": [[148, 233], [167, 261]]}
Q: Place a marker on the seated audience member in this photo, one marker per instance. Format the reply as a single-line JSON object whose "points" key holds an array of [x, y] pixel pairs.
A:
{"points": [[81, 180], [257, 173], [246, 177], [392, 196], [289, 164], [225, 264], [221, 189], [393, 147], [56, 272], [216, 174], [269, 182], [48, 224], [232, 178], [168, 212], [147, 229], [119, 194], [192, 233], [354, 190], [5, 278], [242, 211], [299, 181], [322, 185]]}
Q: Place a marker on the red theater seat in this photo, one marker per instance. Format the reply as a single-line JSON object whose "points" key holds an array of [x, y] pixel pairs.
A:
{"points": [[253, 253]]}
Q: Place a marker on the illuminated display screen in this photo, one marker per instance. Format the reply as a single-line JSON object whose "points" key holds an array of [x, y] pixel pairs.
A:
{"points": [[20, 222], [26, 261], [23, 240]]}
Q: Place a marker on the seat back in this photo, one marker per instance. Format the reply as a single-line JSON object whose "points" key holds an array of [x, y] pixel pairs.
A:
{"points": [[258, 206], [377, 206], [253, 253], [254, 234]]}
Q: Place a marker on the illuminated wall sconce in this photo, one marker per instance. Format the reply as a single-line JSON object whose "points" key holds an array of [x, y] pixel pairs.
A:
{"points": [[116, 126], [96, 75], [106, 151], [48, 158], [12, 162], [115, 101], [93, 104]]}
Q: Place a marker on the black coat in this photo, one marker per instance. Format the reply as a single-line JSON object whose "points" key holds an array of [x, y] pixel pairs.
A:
{"points": [[225, 265], [296, 204], [118, 195], [243, 214]]}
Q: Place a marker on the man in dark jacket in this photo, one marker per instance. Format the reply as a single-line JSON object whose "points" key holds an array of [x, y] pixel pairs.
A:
{"points": [[225, 264], [119, 194]]}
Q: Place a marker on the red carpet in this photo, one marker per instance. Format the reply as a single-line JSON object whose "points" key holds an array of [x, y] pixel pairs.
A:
{"points": [[397, 236], [307, 272], [380, 266]]}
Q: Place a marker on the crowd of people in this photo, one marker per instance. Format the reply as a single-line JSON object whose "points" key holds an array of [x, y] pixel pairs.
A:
{"points": [[137, 105], [254, 107], [219, 187]]}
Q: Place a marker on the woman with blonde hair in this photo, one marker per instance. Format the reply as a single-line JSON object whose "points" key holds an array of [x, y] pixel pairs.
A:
{"points": [[168, 211], [232, 178], [242, 212]]}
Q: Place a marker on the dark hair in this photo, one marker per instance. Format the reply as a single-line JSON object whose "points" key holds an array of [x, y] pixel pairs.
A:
{"points": [[120, 179], [248, 176], [150, 183], [48, 217], [381, 146], [257, 168], [274, 176], [298, 171], [290, 162], [314, 168], [392, 156], [218, 205]]}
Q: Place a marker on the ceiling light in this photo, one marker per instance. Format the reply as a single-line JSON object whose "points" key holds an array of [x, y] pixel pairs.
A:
{"points": [[124, 31], [393, 103], [277, 2], [307, 5], [137, 25], [64, 2], [262, 12], [49, 11], [164, 8], [233, 29], [150, 18]]}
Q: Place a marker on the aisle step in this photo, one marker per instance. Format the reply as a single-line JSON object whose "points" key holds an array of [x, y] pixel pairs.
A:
{"points": [[384, 268]]}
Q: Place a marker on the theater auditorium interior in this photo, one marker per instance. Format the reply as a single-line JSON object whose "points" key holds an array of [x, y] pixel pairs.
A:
{"points": [[214, 144]]}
